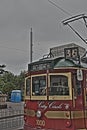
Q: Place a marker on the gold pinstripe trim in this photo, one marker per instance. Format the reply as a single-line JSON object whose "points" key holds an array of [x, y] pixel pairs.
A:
{"points": [[39, 98], [81, 129], [63, 114], [73, 97], [77, 114], [29, 112], [85, 113], [57, 114]]}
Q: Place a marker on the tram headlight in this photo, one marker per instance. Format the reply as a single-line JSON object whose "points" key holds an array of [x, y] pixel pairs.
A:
{"points": [[38, 113]]}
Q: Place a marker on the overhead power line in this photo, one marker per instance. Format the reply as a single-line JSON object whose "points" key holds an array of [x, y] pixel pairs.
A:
{"points": [[60, 8], [63, 10], [75, 18]]}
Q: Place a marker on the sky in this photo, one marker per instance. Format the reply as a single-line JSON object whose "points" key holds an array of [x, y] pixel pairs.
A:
{"points": [[45, 18]]}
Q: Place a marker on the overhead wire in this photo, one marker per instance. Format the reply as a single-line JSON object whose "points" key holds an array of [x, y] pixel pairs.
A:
{"points": [[63, 10]]}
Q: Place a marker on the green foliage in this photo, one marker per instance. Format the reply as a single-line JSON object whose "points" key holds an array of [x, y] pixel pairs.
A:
{"points": [[9, 82]]}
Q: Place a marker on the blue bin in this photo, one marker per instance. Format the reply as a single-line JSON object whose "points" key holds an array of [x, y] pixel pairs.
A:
{"points": [[16, 96]]}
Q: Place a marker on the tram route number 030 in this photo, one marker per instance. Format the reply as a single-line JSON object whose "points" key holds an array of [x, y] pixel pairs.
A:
{"points": [[40, 122]]}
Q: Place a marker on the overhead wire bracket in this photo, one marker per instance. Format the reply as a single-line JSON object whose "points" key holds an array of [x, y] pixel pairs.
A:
{"points": [[74, 18]]}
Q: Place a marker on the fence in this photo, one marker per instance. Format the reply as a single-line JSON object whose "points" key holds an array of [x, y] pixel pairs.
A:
{"points": [[11, 118]]}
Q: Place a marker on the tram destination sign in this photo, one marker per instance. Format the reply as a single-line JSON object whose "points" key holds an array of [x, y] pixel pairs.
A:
{"points": [[72, 50], [72, 53], [40, 66]]}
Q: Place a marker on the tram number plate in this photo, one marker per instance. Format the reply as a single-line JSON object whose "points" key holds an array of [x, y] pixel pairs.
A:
{"points": [[40, 122]]}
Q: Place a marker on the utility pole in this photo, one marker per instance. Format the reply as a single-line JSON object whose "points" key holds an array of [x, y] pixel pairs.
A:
{"points": [[31, 37]]}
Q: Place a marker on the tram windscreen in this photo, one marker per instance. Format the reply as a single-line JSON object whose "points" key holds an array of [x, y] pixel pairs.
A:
{"points": [[39, 85], [28, 82], [58, 85]]}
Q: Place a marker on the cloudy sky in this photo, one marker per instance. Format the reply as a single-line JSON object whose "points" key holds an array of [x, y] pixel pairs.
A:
{"points": [[44, 17]]}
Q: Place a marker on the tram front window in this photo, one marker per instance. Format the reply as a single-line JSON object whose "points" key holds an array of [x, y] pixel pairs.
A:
{"points": [[39, 85], [58, 85], [28, 82]]}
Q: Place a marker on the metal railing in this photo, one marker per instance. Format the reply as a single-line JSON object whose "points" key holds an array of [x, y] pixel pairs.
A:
{"points": [[11, 123], [12, 117]]}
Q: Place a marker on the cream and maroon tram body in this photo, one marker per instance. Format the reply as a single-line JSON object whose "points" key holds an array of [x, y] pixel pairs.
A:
{"points": [[55, 93]]}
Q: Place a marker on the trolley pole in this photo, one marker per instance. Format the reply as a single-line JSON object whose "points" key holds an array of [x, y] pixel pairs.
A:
{"points": [[31, 35]]}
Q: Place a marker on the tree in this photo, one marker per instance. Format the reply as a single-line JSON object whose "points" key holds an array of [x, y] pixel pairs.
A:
{"points": [[9, 82]]}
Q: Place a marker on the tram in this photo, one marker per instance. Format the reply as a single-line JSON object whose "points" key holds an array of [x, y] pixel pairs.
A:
{"points": [[56, 92]]}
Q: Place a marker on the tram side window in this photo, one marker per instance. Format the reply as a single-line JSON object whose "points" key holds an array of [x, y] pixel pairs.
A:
{"points": [[58, 85], [28, 82], [39, 85], [77, 86]]}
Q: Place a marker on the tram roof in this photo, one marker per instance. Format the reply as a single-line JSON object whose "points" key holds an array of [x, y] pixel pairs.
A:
{"points": [[70, 63], [52, 63]]}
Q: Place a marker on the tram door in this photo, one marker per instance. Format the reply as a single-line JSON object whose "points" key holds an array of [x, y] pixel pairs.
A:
{"points": [[85, 100], [81, 84]]}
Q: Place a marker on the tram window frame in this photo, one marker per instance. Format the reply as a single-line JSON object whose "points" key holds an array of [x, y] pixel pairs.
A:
{"points": [[40, 86], [28, 86], [59, 85], [63, 96]]}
